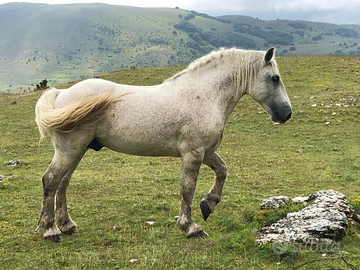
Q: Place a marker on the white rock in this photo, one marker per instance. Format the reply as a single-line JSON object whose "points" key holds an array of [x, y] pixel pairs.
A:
{"points": [[323, 221]]}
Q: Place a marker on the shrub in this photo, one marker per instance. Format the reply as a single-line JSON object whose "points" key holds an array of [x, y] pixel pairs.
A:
{"points": [[42, 85]]}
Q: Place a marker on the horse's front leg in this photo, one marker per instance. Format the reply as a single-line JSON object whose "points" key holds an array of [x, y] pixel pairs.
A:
{"points": [[213, 197], [189, 172]]}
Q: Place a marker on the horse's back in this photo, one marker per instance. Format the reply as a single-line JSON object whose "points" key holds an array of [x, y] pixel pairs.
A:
{"points": [[84, 89]]}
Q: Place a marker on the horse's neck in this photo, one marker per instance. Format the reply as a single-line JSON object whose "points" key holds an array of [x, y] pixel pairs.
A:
{"points": [[220, 84]]}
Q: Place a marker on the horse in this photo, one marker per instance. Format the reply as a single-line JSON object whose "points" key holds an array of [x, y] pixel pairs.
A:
{"points": [[184, 117]]}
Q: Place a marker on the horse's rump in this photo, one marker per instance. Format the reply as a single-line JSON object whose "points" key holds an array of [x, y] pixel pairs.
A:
{"points": [[81, 112]]}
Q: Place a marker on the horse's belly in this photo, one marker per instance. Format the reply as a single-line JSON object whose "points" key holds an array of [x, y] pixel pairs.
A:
{"points": [[134, 147], [139, 140]]}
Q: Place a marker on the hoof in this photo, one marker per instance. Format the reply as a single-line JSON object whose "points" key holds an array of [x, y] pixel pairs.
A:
{"points": [[205, 210], [197, 234], [55, 238], [195, 231], [53, 234], [70, 231], [69, 227]]}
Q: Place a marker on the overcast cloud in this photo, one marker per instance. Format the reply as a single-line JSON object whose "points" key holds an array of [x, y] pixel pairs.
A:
{"points": [[332, 11]]}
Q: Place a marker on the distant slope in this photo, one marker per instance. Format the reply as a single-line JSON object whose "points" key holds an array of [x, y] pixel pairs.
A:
{"points": [[308, 38], [64, 42], [67, 42]]}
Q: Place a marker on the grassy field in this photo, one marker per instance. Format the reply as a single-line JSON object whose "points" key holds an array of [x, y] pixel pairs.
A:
{"points": [[112, 197]]}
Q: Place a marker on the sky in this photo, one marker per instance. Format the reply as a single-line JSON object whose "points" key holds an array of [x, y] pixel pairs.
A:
{"points": [[331, 11]]}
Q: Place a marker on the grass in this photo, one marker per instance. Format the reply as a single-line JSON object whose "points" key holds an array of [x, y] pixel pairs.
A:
{"points": [[112, 196]]}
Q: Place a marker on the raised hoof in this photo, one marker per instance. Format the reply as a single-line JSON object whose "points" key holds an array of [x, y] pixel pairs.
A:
{"points": [[205, 210]]}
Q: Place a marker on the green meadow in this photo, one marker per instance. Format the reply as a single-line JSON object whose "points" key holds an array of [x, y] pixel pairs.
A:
{"points": [[125, 205]]}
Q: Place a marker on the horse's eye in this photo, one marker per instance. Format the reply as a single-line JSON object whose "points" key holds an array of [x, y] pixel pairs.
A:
{"points": [[275, 78]]}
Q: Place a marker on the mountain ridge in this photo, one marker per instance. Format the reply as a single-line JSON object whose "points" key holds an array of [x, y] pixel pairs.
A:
{"points": [[72, 41]]}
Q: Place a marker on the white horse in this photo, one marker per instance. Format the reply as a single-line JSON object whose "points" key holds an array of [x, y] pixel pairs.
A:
{"points": [[185, 117]]}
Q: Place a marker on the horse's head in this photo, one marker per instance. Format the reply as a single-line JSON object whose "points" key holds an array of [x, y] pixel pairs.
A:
{"points": [[269, 91]]}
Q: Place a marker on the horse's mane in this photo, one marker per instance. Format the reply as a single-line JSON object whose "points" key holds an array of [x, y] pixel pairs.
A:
{"points": [[247, 61]]}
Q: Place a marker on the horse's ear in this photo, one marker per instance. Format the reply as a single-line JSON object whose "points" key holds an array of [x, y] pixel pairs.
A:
{"points": [[269, 55]]}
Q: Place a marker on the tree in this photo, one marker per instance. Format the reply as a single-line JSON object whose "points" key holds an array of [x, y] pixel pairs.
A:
{"points": [[189, 16], [42, 85]]}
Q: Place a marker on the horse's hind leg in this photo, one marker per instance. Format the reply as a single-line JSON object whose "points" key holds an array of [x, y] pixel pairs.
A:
{"points": [[60, 169], [62, 217], [51, 180], [213, 197]]}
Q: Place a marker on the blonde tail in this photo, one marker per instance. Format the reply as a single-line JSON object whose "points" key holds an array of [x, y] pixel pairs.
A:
{"points": [[82, 111], [44, 105]]}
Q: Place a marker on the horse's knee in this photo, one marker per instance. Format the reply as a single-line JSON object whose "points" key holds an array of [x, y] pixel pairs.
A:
{"points": [[187, 191], [215, 162]]}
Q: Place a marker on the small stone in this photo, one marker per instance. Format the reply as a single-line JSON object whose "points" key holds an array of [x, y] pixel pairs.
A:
{"points": [[13, 163], [299, 150], [300, 199]]}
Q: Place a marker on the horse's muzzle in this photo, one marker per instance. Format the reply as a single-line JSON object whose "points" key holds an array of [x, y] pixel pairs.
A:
{"points": [[282, 117]]}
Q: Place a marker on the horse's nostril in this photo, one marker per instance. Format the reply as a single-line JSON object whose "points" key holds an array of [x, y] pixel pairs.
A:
{"points": [[288, 117]]}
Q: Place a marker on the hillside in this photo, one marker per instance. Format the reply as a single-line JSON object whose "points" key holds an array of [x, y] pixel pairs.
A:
{"points": [[300, 37], [67, 42]]}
